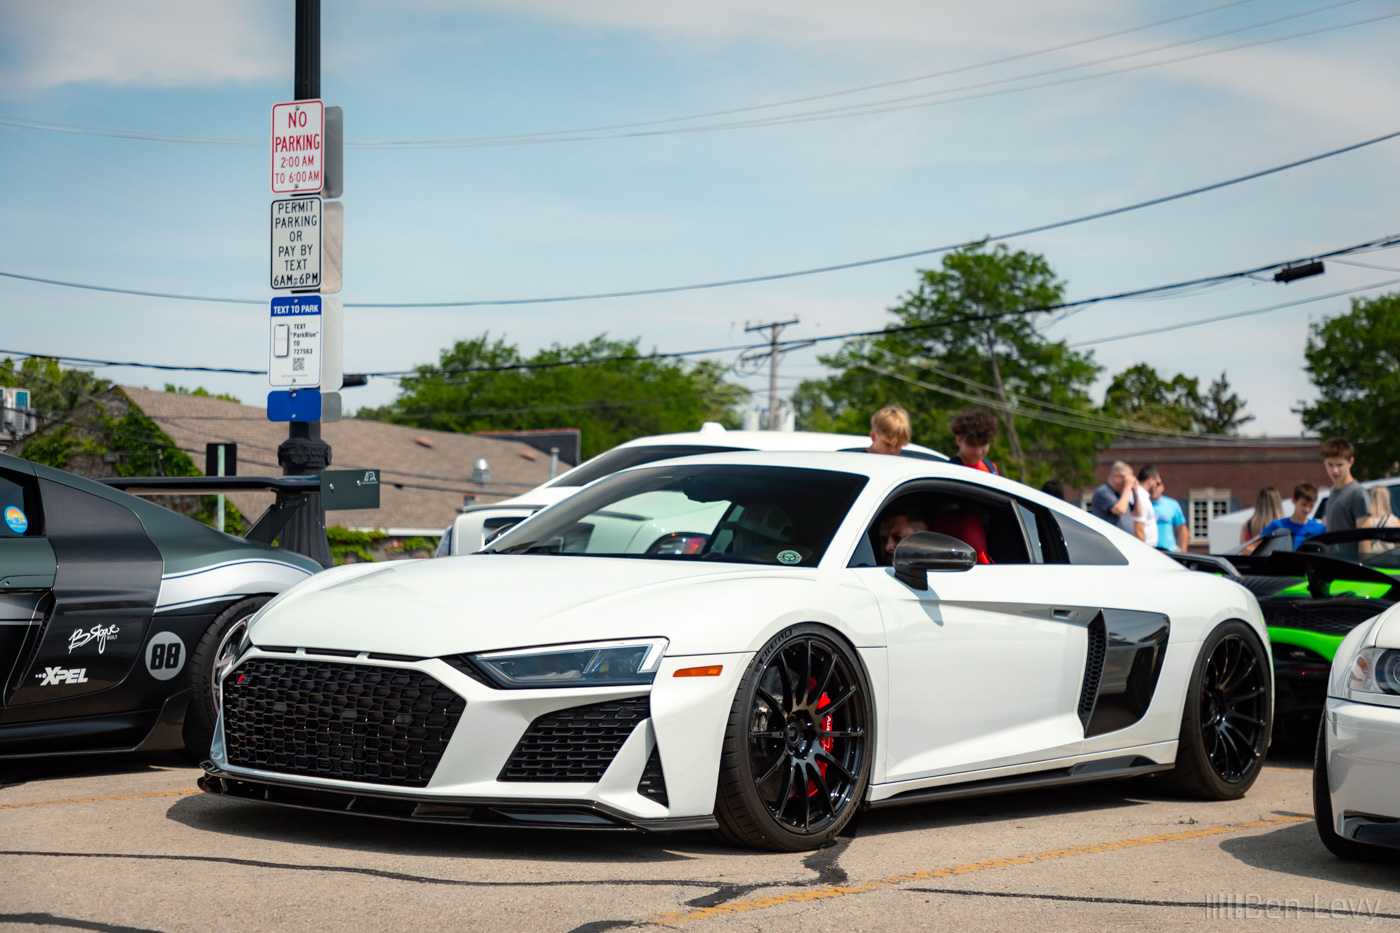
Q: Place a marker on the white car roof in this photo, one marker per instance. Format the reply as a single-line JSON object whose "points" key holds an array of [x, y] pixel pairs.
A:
{"points": [[717, 436]]}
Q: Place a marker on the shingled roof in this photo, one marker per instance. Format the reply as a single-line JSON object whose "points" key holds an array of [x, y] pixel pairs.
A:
{"points": [[425, 473]]}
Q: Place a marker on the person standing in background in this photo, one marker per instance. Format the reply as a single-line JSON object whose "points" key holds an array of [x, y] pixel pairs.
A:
{"points": [[1171, 521], [973, 431], [890, 432], [1348, 506], [1113, 501], [1381, 517], [1299, 526], [1268, 508]]}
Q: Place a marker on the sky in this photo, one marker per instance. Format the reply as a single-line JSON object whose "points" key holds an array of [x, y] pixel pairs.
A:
{"points": [[1005, 135]]}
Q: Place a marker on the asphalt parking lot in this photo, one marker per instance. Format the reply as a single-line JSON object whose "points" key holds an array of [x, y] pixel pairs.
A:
{"points": [[129, 844]]}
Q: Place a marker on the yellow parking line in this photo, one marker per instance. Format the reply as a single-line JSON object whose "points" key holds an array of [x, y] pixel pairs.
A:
{"points": [[813, 894], [54, 803]]}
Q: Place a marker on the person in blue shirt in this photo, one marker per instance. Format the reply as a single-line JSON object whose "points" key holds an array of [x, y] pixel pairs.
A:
{"points": [[1171, 521], [1298, 524]]}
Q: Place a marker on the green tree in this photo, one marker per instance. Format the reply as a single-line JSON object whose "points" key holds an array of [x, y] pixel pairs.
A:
{"points": [[610, 402], [201, 392], [1140, 395], [52, 389], [1222, 411], [944, 351], [1354, 361]]}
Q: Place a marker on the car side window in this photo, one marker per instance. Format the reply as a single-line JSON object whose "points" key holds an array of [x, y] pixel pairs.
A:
{"points": [[987, 523], [19, 506], [1086, 546]]}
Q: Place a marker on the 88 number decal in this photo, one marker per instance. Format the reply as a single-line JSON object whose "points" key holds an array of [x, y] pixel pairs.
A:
{"points": [[165, 655]]}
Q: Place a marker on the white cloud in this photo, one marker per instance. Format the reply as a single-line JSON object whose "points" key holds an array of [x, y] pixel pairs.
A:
{"points": [[156, 43]]}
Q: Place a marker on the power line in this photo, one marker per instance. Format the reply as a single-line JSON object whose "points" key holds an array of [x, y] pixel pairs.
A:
{"points": [[426, 372], [1026, 231], [1226, 317], [608, 131], [920, 101]]}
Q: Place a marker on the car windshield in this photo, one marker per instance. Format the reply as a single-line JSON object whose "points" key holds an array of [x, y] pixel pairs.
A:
{"points": [[620, 458], [721, 512]]}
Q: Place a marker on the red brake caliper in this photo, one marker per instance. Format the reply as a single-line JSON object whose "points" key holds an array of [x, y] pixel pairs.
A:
{"points": [[827, 744]]}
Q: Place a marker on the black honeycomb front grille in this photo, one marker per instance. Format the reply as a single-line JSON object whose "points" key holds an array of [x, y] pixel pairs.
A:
{"points": [[350, 722], [1093, 668], [575, 744], [1328, 617]]}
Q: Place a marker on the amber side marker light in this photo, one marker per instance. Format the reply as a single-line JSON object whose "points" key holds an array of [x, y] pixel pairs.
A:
{"points": [[712, 671]]}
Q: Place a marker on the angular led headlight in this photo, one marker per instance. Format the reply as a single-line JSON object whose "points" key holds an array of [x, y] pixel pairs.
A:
{"points": [[1375, 670], [593, 664]]}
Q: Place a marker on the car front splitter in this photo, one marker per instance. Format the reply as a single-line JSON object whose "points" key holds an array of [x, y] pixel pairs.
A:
{"points": [[456, 811]]}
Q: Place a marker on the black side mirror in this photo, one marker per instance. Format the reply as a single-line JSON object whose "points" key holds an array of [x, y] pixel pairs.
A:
{"points": [[928, 550]]}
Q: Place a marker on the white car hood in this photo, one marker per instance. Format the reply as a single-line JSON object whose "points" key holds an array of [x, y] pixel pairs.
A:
{"points": [[485, 602]]}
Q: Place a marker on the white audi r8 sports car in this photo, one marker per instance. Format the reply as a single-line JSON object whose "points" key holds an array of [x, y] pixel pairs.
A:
{"points": [[1356, 781], [478, 524], [762, 643]]}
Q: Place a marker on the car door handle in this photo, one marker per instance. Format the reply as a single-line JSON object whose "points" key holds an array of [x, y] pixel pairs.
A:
{"points": [[1062, 613]]}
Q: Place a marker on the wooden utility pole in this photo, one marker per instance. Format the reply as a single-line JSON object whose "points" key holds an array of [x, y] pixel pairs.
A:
{"points": [[774, 328]]}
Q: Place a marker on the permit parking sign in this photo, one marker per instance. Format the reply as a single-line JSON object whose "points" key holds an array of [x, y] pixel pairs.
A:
{"points": [[296, 242], [295, 355], [298, 146]]}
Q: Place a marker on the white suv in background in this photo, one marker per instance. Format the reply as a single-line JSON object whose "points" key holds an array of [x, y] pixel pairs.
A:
{"points": [[476, 525]]}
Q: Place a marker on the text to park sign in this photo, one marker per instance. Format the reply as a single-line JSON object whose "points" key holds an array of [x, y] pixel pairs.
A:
{"points": [[298, 146], [295, 357]]}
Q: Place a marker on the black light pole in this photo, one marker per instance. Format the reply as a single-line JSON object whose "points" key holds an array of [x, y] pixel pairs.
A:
{"points": [[303, 453]]}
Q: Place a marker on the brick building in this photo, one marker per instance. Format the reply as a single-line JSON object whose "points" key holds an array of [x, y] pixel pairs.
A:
{"points": [[1210, 478]]}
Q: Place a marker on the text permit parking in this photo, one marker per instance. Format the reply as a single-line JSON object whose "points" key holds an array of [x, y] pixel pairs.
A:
{"points": [[296, 243], [298, 146]]}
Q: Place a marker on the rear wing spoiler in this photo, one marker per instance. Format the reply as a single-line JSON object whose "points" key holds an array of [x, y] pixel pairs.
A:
{"points": [[1319, 570], [292, 493], [1208, 563]]}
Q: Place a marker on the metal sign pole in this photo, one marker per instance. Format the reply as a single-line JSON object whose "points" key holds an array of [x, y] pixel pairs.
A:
{"points": [[303, 452]]}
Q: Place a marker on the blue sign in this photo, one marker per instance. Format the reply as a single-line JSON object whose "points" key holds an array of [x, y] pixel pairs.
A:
{"points": [[294, 359], [294, 405]]}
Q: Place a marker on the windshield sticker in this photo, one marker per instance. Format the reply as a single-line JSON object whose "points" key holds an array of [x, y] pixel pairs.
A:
{"points": [[789, 557], [98, 633], [16, 519]]}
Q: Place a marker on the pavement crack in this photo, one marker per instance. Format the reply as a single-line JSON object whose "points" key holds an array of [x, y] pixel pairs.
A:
{"points": [[730, 890], [73, 923], [824, 862]]}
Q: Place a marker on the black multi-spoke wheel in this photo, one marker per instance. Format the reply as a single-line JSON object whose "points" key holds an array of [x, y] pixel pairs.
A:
{"points": [[797, 749], [208, 662], [1229, 712]]}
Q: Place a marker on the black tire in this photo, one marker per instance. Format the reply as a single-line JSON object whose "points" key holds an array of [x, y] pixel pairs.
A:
{"points": [[798, 744], [1325, 818], [1228, 716], [212, 654]]}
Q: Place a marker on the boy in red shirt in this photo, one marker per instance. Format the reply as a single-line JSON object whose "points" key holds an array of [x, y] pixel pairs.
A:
{"points": [[974, 430]]}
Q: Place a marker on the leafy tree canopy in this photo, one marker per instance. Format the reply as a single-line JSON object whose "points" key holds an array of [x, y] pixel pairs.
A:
{"points": [[1140, 395], [610, 402], [958, 357], [1354, 360], [52, 390], [201, 392]]}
